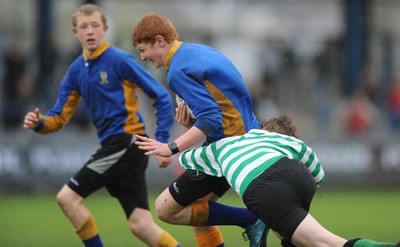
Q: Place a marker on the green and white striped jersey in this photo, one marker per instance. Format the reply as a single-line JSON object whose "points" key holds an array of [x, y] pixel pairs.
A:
{"points": [[240, 159]]}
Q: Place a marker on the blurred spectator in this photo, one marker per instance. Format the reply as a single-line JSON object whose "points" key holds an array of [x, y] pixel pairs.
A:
{"points": [[359, 115], [369, 84], [46, 83], [393, 101], [269, 58], [327, 86], [329, 68], [17, 87], [289, 79]]}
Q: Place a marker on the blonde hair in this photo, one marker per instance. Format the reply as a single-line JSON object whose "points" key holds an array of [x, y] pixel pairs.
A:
{"points": [[152, 25], [88, 9]]}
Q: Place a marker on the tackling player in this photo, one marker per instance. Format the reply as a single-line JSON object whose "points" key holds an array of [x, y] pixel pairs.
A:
{"points": [[276, 175]]}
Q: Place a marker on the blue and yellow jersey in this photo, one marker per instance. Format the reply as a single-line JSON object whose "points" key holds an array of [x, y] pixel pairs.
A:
{"points": [[107, 82], [213, 88]]}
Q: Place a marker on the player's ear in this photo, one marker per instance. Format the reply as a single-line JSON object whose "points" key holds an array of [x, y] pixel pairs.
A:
{"points": [[74, 31], [160, 40]]}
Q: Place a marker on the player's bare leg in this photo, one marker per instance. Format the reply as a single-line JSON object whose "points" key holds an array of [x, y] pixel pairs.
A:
{"points": [[311, 233], [82, 220], [143, 226], [168, 210]]}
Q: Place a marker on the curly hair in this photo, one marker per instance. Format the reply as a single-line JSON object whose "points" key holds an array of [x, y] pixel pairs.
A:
{"points": [[282, 124]]}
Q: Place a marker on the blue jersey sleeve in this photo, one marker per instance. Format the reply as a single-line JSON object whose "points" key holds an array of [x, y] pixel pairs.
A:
{"points": [[203, 105], [64, 108], [162, 101]]}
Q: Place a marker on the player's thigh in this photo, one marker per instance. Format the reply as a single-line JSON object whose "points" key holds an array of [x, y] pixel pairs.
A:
{"points": [[166, 205], [127, 180], [168, 210], [193, 185], [311, 233], [102, 165]]}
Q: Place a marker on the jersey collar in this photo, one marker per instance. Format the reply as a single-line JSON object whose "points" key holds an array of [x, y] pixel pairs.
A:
{"points": [[97, 52], [170, 54]]}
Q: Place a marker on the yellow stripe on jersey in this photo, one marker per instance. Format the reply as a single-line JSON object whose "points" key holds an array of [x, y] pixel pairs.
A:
{"points": [[54, 123], [132, 125], [232, 121]]}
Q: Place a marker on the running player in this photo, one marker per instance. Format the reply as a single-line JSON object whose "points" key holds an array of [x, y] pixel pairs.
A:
{"points": [[107, 79]]}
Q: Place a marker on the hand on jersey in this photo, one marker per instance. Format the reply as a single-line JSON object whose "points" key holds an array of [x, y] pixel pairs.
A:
{"points": [[152, 147], [183, 116], [32, 119]]}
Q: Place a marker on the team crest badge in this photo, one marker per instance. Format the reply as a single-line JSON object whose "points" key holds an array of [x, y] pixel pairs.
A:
{"points": [[104, 77]]}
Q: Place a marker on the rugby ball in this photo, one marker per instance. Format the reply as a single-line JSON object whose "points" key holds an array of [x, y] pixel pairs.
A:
{"points": [[180, 100]]}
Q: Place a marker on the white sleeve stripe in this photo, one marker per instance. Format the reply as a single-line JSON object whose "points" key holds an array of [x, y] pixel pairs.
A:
{"points": [[306, 155], [320, 176]]}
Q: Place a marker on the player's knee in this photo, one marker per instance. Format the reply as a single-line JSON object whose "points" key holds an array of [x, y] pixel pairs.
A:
{"points": [[66, 198], [141, 226], [167, 209], [167, 215], [161, 211], [162, 214], [136, 228], [61, 198]]}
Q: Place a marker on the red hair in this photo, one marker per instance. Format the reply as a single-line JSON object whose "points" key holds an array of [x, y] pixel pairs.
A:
{"points": [[152, 25]]}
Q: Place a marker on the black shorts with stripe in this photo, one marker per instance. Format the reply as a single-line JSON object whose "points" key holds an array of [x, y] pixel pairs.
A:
{"points": [[120, 167]]}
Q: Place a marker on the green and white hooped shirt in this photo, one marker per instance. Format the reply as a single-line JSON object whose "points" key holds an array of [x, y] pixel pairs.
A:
{"points": [[240, 159]]}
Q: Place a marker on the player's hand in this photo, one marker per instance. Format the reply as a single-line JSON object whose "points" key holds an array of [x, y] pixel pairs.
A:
{"points": [[153, 147], [32, 119], [183, 116], [164, 162]]}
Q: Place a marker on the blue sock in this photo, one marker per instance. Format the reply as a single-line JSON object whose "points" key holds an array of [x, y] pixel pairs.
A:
{"points": [[221, 214], [93, 242]]}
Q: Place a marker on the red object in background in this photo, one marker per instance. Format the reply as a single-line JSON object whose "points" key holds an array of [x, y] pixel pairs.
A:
{"points": [[359, 116], [394, 98], [358, 120]]}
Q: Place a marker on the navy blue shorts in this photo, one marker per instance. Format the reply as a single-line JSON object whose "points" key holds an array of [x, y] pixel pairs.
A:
{"points": [[281, 196], [120, 167]]}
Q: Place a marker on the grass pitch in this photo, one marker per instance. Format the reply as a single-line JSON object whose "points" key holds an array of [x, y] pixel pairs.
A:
{"points": [[36, 220]]}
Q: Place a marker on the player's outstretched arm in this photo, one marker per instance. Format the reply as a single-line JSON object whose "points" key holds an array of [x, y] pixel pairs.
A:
{"points": [[152, 147], [32, 119]]}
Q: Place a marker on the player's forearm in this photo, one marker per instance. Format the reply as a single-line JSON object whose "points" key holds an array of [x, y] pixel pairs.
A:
{"points": [[193, 136]]}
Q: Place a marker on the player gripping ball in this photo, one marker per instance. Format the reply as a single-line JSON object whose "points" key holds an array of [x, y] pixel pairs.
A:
{"points": [[179, 100]]}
